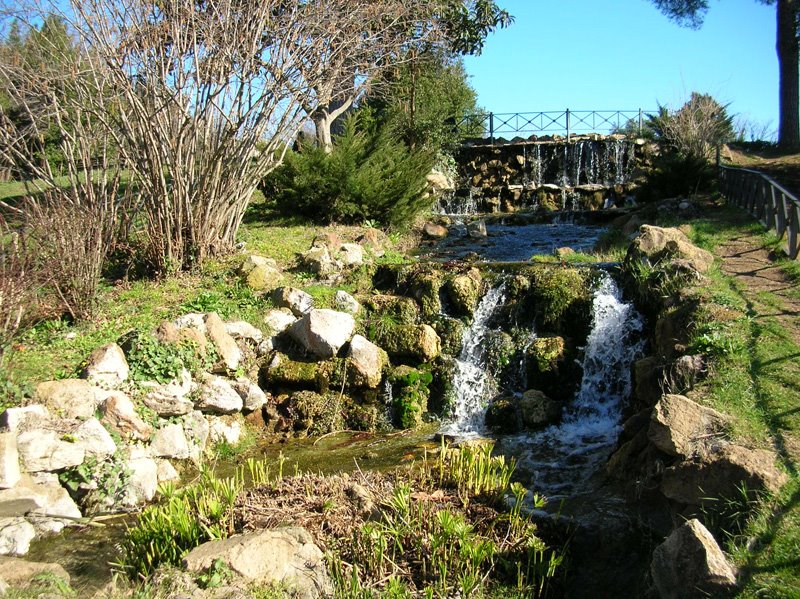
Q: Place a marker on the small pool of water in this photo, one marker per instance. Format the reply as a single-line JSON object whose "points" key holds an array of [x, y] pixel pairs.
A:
{"points": [[514, 243]]}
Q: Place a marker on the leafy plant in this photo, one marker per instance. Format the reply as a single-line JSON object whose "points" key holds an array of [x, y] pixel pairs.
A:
{"points": [[367, 175], [151, 360]]}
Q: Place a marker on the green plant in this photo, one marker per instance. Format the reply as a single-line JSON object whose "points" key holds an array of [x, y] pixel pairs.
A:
{"points": [[205, 301], [367, 175], [555, 290], [149, 359], [98, 483], [716, 339], [411, 398], [218, 574]]}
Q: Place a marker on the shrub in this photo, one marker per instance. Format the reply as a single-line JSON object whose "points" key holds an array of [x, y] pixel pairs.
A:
{"points": [[367, 175]]}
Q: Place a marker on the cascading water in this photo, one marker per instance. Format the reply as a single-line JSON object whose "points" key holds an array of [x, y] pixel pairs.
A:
{"points": [[563, 457], [472, 383]]}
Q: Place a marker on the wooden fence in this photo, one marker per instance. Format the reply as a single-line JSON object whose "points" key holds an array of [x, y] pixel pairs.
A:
{"points": [[767, 201]]}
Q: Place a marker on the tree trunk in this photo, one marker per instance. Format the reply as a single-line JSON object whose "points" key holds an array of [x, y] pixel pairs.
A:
{"points": [[323, 119], [787, 48]]}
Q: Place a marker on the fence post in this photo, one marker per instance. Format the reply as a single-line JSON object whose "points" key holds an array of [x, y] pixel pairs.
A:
{"points": [[567, 113], [640, 122], [491, 127]]}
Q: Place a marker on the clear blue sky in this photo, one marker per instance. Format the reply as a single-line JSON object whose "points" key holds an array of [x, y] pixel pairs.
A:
{"points": [[624, 54]]}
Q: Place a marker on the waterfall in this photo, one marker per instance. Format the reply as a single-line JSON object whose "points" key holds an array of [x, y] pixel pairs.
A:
{"points": [[563, 457], [472, 383]]}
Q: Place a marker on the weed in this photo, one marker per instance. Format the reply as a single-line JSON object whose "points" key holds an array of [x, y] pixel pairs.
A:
{"points": [[151, 360], [218, 574]]}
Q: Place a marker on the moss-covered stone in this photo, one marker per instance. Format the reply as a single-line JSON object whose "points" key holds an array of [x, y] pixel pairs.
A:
{"points": [[443, 394], [555, 290], [402, 310], [309, 412], [284, 372], [502, 417], [546, 352], [410, 395], [462, 292], [415, 344], [451, 333], [425, 286], [538, 410]]}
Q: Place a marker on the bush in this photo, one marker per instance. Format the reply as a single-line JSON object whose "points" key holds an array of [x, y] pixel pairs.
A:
{"points": [[366, 176]]}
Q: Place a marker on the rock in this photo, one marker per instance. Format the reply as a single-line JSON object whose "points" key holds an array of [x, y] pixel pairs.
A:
{"points": [[501, 417], [366, 362], [244, 331], [196, 428], [70, 398], [43, 450], [328, 239], [16, 535], [170, 442], [451, 334], [9, 461], [563, 252], [283, 371], [217, 396], [308, 411], [657, 243], [648, 381], [439, 182], [690, 564], [374, 241], [346, 303], [477, 229], [20, 500], [323, 332], [681, 427], [106, 366], [142, 481], [425, 287], [279, 320], [351, 254], [263, 278], [253, 261], [192, 320], [434, 231], [416, 342], [166, 471], [120, 414], [19, 573], [16, 419], [318, 260], [168, 332], [56, 510], [228, 431], [538, 410], [169, 399], [227, 350], [253, 398], [686, 372], [297, 300], [631, 226], [94, 439], [462, 292], [721, 474], [286, 556]]}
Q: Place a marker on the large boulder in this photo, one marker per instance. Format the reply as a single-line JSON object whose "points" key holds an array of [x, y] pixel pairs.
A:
{"points": [[170, 442], [16, 535], [70, 398], [281, 556], [722, 473], [106, 366], [319, 261], [142, 480], [94, 438], [24, 417], [681, 427], [278, 321], [253, 397], [657, 243], [241, 330], [46, 451], [282, 371], [19, 573], [689, 564], [418, 343], [323, 332], [261, 274], [462, 292], [56, 509], [538, 410], [120, 415], [227, 350], [217, 396], [351, 254], [296, 300], [366, 362]]}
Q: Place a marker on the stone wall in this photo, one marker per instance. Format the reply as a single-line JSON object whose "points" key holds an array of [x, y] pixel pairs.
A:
{"points": [[547, 174]]}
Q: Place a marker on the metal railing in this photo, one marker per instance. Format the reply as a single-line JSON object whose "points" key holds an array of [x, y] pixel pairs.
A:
{"points": [[565, 122], [766, 200]]}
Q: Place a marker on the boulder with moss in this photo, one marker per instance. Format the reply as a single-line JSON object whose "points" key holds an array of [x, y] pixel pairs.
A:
{"points": [[402, 310], [537, 410], [284, 372], [451, 333], [658, 244], [366, 362], [463, 292], [502, 416], [413, 343], [555, 291], [410, 395], [550, 367], [425, 286]]}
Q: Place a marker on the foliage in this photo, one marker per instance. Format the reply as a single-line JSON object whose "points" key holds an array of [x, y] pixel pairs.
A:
{"points": [[366, 175], [696, 129], [151, 360], [410, 399], [98, 483], [555, 290], [165, 532]]}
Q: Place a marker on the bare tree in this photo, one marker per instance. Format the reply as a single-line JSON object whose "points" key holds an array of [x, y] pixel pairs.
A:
{"points": [[202, 97]]}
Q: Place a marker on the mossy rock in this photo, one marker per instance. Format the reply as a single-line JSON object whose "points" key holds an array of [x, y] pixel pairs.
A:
{"points": [[502, 417], [425, 286], [451, 333], [443, 394], [415, 344], [546, 352], [550, 367], [283, 372], [310, 412], [462, 292], [548, 202], [538, 410], [402, 310], [410, 395], [499, 350], [556, 290]]}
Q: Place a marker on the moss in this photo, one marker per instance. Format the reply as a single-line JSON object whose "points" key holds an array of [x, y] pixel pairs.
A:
{"points": [[402, 310], [413, 343], [547, 202], [410, 395], [555, 290], [424, 286], [462, 292], [451, 332], [282, 372], [546, 352]]}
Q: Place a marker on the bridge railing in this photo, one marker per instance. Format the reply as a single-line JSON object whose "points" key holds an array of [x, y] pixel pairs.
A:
{"points": [[764, 199], [489, 125]]}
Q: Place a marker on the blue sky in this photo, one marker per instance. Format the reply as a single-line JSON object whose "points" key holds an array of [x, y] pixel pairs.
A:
{"points": [[624, 54]]}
